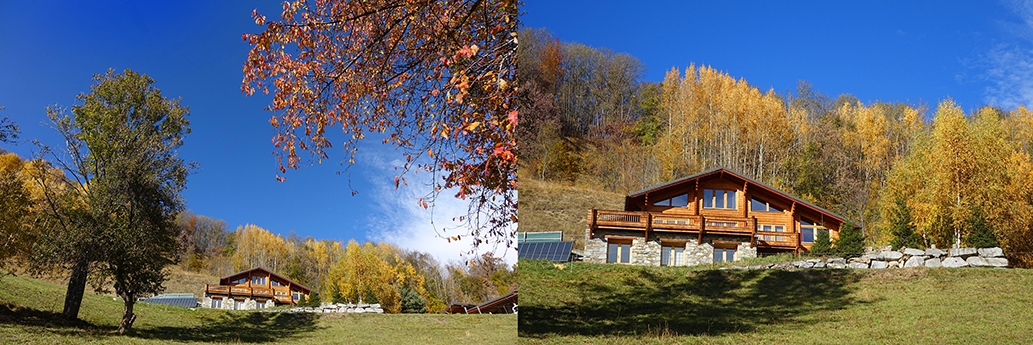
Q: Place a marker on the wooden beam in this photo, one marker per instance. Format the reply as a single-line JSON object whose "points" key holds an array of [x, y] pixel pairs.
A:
{"points": [[753, 236], [649, 224], [592, 220], [702, 227]]}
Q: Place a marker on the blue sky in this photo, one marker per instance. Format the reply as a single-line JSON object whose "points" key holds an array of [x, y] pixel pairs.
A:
{"points": [[193, 49], [920, 52]]}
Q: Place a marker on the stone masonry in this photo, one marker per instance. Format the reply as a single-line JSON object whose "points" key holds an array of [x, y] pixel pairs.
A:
{"points": [[646, 252]]}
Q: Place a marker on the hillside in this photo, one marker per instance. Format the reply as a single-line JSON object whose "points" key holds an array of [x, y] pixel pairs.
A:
{"points": [[594, 303], [552, 206], [30, 308]]}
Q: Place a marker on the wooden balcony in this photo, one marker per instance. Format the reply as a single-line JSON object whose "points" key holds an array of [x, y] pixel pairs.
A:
{"points": [[693, 224], [234, 290]]}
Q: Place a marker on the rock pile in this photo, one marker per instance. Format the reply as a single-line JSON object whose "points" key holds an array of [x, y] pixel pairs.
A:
{"points": [[333, 308], [908, 257]]}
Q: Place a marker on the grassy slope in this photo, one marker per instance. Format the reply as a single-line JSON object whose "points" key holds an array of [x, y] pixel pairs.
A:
{"points": [[551, 206], [596, 303], [29, 313]]}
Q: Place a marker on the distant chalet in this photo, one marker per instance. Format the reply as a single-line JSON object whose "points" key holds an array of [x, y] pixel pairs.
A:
{"points": [[505, 304], [710, 217], [253, 289]]}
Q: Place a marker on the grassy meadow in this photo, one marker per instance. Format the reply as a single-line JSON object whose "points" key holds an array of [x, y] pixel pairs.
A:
{"points": [[609, 304], [30, 314]]}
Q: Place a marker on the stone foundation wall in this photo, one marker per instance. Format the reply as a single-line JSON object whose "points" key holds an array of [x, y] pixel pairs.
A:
{"points": [[646, 252], [227, 303]]}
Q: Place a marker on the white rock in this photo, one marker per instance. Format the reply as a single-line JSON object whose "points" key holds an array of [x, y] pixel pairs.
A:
{"points": [[934, 252], [857, 265], [819, 264], [954, 261], [962, 252], [994, 252], [890, 255], [915, 261], [837, 264], [997, 262], [913, 251], [879, 264], [977, 261], [934, 262]]}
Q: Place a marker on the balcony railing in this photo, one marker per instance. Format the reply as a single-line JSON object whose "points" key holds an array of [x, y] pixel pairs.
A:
{"points": [[697, 224], [244, 291]]}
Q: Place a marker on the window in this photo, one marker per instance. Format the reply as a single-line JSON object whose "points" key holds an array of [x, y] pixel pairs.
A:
{"points": [[757, 205], [238, 304], [724, 255], [256, 280], [715, 198], [280, 293], [677, 201], [711, 224], [771, 228], [618, 251], [241, 280], [276, 283], [808, 230], [671, 254], [217, 303], [297, 295]]}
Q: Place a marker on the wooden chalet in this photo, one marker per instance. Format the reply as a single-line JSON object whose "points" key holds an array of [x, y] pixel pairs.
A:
{"points": [[253, 288], [505, 304], [713, 216]]}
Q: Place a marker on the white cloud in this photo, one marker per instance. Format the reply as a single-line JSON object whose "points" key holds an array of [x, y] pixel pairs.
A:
{"points": [[400, 220], [1009, 66]]}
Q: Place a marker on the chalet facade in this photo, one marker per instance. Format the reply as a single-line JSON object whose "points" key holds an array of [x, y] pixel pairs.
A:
{"points": [[713, 216], [253, 289]]}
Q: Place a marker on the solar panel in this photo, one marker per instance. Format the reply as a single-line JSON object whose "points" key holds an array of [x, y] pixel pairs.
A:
{"points": [[553, 251], [183, 300]]}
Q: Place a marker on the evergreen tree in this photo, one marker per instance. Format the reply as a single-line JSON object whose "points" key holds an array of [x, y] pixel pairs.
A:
{"points": [[302, 301], [412, 302], [822, 245], [981, 236], [902, 227], [314, 300], [851, 240]]}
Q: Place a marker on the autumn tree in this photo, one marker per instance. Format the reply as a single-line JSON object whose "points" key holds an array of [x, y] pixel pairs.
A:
{"points": [[8, 130], [116, 217], [16, 236], [436, 78]]}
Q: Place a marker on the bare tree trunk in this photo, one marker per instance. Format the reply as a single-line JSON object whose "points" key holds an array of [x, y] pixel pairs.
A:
{"points": [[128, 317], [76, 288]]}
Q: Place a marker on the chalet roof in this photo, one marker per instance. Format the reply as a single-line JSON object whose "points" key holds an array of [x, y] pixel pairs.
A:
{"points": [[740, 176], [294, 283]]}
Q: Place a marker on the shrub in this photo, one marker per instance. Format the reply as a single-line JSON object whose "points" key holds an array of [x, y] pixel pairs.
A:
{"points": [[851, 240], [902, 228], [981, 236], [821, 244], [412, 302]]}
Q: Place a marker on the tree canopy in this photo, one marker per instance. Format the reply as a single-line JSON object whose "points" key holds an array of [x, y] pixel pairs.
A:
{"points": [[435, 77]]}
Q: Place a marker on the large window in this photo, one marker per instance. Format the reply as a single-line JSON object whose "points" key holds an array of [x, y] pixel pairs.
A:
{"points": [[724, 255], [808, 229], [618, 251], [238, 304], [217, 303], [256, 280], [297, 295], [721, 199], [671, 254], [771, 228], [276, 283], [241, 280], [677, 201], [763, 206]]}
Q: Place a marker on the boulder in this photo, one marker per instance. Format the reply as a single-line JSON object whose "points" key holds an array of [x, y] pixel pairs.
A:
{"points": [[977, 261], [994, 252], [819, 264], [805, 264], [934, 262], [962, 252], [857, 265], [894, 264], [756, 267], [885, 249], [879, 264], [913, 251], [831, 260], [837, 264], [997, 262], [933, 252], [375, 305], [782, 265], [954, 261], [891, 255], [813, 261], [915, 261]]}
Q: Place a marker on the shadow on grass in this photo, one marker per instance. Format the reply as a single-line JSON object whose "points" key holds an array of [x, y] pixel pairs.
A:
{"points": [[237, 327], [228, 327], [55, 323], [707, 302]]}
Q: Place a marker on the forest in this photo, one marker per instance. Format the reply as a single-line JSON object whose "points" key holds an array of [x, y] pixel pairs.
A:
{"points": [[913, 175]]}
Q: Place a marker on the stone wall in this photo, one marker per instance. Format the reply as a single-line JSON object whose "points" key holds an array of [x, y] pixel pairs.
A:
{"points": [[227, 303], [646, 252], [885, 257]]}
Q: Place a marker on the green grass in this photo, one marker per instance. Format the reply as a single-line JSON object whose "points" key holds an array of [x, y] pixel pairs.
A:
{"points": [[30, 314], [600, 303]]}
